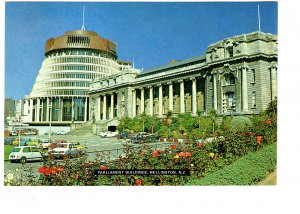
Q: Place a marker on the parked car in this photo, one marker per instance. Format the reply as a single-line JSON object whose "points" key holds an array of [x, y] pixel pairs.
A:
{"points": [[13, 133], [61, 132], [64, 149], [124, 135], [143, 138], [16, 141], [43, 144], [25, 141], [24, 153], [108, 134], [29, 133], [47, 133], [9, 140], [78, 145], [33, 142]]}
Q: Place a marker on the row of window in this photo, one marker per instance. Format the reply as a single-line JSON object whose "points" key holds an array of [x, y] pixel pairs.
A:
{"points": [[80, 52], [83, 68], [100, 61], [69, 84], [67, 92], [77, 76]]}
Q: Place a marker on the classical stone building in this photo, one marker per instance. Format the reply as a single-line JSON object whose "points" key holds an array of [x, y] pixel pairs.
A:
{"points": [[72, 61], [237, 75]]}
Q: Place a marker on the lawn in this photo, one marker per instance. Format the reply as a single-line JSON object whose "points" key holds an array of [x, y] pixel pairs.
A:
{"points": [[7, 151]]}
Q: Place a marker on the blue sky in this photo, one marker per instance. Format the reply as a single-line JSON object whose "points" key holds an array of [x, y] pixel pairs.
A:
{"points": [[150, 33]]}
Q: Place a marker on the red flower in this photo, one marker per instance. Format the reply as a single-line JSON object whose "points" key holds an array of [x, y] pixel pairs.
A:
{"points": [[155, 154], [103, 167], [173, 146], [268, 122], [187, 154], [60, 169], [259, 139], [182, 154], [201, 145], [54, 170], [76, 176], [47, 171], [41, 169], [138, 182]]}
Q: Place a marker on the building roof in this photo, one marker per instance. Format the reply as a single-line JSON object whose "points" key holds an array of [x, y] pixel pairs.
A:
{"points": [[80, 39], [173, 65]]}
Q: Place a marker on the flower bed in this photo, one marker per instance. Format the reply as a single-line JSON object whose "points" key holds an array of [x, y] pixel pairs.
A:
{"points": [[224, 148]]}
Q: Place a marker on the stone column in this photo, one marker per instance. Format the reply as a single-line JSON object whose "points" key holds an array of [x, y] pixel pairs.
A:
{"points": [[150, 100], [111, 116], [215, 92], [85, 109], [99, 108], [61, 105], [73, 112], [104, 107], [31, 110], [134, 103], [273, 81], [42, 109], [244, 89], [182, 107], [47, 112], [194, 97], [142, 100], [160, 100], [170, 96], [37, 110]]}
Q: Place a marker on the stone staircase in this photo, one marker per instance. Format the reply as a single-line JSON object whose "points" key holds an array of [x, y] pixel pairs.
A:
{"points": [[84, 129]]}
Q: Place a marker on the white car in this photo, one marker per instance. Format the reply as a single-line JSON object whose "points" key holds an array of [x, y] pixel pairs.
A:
{"points": [[44, 144], [61, 132], [64, 149], [108, 134], [23, 154], [29, 133], [13, 133]]}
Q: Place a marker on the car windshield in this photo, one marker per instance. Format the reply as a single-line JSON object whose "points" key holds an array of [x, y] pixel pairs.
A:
{"points": [[16, 149]]}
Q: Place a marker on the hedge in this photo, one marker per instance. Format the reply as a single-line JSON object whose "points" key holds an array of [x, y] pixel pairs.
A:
{"points": [[248, 170]]}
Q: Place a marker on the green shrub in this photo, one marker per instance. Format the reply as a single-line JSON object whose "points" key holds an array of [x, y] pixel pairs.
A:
{"points": [[248, 170], [240, 123]]}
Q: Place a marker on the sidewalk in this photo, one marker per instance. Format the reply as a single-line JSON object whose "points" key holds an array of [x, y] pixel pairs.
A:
{"points": [[271, 179]]}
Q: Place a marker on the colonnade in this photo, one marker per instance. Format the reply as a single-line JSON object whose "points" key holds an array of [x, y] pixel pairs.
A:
{"points": [[142, 99], [40, 108]]}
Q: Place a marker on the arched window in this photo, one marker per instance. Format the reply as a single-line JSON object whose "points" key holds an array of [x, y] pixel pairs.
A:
{"points": [[230, 79]]}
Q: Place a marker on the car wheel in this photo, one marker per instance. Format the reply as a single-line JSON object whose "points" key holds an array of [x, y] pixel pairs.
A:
{"points": [[23, 160]]}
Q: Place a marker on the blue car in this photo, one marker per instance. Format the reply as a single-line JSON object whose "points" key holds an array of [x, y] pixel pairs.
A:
{"points": [[24, 141], [9, 140]]}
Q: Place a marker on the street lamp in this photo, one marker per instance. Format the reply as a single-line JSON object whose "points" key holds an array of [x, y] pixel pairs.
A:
{"points": [[50, 107], [19, 133]]}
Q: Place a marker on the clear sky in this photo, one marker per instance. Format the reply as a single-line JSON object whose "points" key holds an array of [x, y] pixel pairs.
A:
{"points": [[150, 33]]}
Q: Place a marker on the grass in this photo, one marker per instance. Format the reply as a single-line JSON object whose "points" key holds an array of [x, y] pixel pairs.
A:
{"points": [[7, 151], [248, 170]]}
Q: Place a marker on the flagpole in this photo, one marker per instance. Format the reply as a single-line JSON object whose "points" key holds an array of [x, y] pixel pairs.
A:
{"points": [[258, 13]]}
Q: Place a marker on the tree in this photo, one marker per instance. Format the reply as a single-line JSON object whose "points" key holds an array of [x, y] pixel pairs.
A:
{"points": [[152, 123], [213, 114]]}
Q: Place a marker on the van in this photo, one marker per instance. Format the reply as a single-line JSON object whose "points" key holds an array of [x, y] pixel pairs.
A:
{"points": [[23, 154]]}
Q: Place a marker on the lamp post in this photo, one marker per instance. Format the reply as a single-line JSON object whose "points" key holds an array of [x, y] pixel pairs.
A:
{"points": [[50, 107], [19, 133]]}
